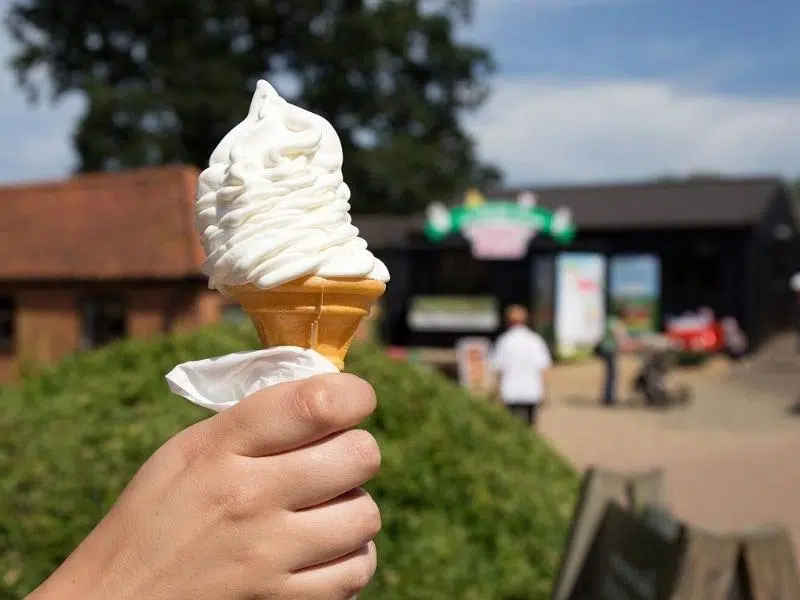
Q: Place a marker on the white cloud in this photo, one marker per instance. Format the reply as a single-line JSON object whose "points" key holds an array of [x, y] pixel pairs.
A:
{"points": [[546, 131], [488, 6]]}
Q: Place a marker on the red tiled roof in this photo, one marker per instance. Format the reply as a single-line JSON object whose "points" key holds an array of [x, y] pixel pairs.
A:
{"points": [[126, 224]]}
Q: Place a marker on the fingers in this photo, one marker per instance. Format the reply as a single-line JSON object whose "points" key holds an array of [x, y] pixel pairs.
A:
{"points": [[325, 470], [291, 415], [340, 579], [331, 531]]}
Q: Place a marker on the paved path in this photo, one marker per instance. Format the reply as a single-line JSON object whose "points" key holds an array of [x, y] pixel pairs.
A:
{"points": [[732, 459]]}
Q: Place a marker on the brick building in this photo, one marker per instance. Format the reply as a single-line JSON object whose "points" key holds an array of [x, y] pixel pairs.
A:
{"points": [[97, 257]]}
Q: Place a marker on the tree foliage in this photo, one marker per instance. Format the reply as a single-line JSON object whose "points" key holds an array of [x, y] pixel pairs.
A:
{"points": [[166, 80]]}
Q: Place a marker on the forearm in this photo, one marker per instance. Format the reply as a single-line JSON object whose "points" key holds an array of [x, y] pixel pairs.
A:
{"points": [[85, 574]]}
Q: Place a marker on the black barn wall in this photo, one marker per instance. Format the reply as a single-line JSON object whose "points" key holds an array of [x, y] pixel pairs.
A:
{"points": [[698, 267], [771, 263]]}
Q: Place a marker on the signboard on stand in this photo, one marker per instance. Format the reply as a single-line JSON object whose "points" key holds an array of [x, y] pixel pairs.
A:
{"points": [[473, 361], [580, 303], [634, 291], [496, 228]]}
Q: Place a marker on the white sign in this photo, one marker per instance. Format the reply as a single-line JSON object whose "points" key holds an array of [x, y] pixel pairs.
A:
{"points": [[453, 314]]}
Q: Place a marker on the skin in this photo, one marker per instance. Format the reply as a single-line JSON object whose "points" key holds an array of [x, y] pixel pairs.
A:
{"points": [[260, 502]]}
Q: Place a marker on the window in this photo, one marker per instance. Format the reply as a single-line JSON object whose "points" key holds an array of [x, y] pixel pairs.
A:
{"points": [[6, 323], [103, 321]]}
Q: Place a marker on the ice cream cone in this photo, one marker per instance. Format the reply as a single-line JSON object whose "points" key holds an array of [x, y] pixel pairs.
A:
{"points": [[311, 312]]}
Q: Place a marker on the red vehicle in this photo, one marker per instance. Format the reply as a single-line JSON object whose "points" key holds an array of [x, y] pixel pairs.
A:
{"points": [[697, 333]]}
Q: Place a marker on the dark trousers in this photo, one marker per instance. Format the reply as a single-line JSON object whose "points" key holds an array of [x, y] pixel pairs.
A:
{"points": [[610, 388], [525, 411]]}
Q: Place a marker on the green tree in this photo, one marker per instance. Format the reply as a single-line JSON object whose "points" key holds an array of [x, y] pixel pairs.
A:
{"points": [[165, 80]]}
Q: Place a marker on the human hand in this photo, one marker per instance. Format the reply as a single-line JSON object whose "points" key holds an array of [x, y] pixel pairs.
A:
{"points": [[259, 502]]}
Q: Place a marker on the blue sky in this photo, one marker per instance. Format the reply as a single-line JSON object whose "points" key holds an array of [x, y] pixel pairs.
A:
{"points": [[586, 91], [593, 90], [708, 44]]}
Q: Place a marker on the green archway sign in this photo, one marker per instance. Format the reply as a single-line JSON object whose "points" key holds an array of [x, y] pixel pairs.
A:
{"points": [[499, 229]]}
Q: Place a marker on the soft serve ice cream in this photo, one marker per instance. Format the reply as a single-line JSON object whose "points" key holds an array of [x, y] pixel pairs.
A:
{"points": [[273, 216], [273, 206]]}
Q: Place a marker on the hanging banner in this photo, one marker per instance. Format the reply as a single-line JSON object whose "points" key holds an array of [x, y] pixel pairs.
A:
{"points": [[580, 303], [496, 228], [635, 290]]}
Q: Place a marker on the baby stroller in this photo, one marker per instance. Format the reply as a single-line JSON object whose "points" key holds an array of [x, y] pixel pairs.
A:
{"points": [[652, 381]]}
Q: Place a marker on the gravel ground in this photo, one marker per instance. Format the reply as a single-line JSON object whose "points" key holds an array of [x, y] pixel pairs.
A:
{"points": [[732, 457]]}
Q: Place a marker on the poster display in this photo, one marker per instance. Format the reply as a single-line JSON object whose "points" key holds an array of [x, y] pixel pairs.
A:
{"points": [[580, 303], [635, 290]]}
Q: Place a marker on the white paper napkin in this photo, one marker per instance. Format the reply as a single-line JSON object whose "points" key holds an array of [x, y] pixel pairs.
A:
{"points": [[221, 382]]}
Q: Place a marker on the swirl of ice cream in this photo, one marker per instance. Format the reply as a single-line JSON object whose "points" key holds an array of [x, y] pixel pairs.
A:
{"points": [[272, 206]]}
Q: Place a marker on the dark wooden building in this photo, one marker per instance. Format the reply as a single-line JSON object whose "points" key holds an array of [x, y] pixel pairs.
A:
{"points": [[727, 244]]}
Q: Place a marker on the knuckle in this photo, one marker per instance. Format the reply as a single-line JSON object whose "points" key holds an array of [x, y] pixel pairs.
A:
{"points": [[363, 392], [314, 403], [190, 446], [365, 450], [238, 498]]}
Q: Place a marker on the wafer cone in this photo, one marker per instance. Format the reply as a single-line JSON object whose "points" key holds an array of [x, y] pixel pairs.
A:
{"points": [[311, 312]]}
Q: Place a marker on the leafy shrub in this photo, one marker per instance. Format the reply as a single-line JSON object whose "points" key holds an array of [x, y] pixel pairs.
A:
{"points": [[474, 505]]}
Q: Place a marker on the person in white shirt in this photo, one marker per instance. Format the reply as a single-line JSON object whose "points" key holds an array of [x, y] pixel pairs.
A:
{"points": [[521, 361]]}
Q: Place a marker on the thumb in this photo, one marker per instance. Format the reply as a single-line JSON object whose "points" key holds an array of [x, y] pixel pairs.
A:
{"points": [[291, 415]]}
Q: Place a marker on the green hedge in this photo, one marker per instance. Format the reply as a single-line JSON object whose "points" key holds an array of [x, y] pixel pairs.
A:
{"points": [[474, 505]]}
